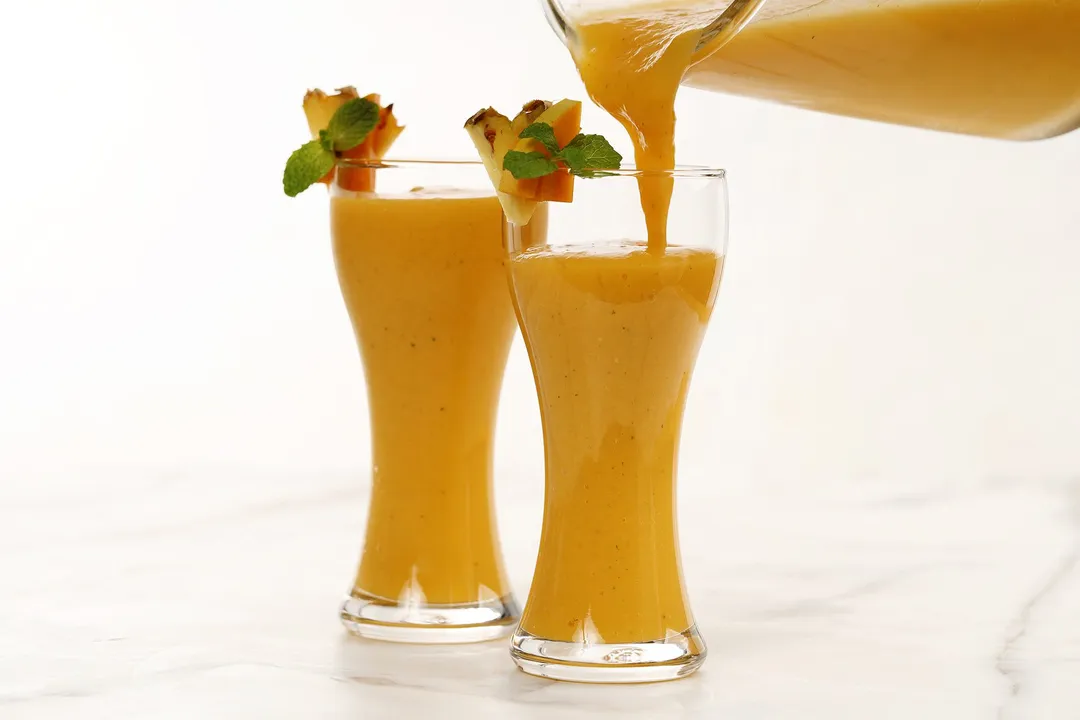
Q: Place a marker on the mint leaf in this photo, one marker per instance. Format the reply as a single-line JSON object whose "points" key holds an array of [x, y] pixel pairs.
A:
{"points": [[306, 167], [583, 156], [352, 122], [525, 166], [586, 153], [544, 133]]}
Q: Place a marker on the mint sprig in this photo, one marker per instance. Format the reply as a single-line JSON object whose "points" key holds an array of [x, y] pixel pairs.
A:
{"points": [[349, 126], [583, 156], [544, 133], [352, 122], [307, 166], [528, 165], [587, 153]]}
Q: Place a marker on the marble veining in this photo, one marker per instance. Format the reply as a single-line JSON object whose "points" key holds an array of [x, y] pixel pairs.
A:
{"points": [[212, 593], [1009, 666]]}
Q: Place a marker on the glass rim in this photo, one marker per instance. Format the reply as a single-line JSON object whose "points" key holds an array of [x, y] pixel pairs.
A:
{"points": [[680, 171]]}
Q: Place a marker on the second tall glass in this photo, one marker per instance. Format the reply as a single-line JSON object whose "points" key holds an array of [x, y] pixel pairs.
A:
{"points": [[613, 329]]}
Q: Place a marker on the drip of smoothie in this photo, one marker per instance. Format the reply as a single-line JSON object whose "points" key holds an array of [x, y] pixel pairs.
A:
{"points": [[632, 65]]}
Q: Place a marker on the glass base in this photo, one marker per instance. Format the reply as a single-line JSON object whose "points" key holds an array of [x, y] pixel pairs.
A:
{"points": [[670, 658], [381, 619]]}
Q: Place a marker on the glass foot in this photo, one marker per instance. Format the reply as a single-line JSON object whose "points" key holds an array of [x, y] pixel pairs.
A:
{"points": [[381, 619], [670, 658]]}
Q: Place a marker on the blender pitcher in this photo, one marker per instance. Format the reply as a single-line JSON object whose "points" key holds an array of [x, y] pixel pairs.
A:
{"points": [[996, 68]]}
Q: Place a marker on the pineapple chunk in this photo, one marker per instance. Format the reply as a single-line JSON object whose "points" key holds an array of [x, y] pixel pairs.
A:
{"points": [[494, 134], [320, 107], [564, 117]]}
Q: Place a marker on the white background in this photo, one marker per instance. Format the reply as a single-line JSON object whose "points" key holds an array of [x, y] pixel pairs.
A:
{"points": [[898, 306]]}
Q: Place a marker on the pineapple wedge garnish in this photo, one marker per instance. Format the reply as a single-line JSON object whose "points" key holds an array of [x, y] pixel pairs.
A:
{"points": [[319, 107], [494, 134]]}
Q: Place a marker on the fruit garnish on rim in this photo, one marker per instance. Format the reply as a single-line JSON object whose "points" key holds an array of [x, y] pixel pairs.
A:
{"points": [[343, 126], [535, 157]]}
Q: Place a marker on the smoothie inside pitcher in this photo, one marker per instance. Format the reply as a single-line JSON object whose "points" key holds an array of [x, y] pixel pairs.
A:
{"points": [[999, 68]]}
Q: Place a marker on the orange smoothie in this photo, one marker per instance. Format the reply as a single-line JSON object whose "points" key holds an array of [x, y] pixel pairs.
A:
{"points": [[423, 277], [1000, 68], [613, 332]]}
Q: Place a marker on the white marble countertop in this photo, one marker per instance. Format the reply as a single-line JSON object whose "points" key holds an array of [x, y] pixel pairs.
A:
{"points": [[213, 594]]}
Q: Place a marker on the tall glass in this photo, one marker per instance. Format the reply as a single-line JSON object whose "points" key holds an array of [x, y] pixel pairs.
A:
{"points": [[421, 264], [613, 330]]}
